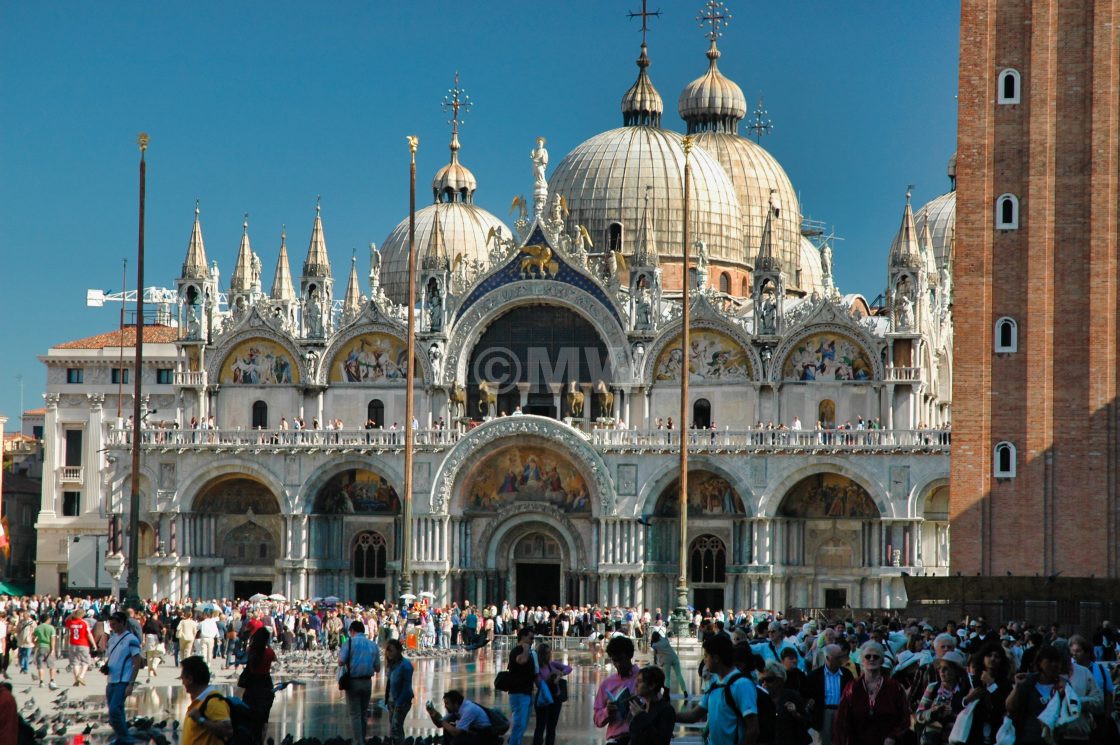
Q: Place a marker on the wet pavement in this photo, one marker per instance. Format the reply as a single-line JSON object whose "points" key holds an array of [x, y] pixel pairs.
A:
{"points": [[318, 709]]}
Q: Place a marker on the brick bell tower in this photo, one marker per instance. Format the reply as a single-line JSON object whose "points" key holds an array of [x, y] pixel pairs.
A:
{"points": [[1036, 436]]}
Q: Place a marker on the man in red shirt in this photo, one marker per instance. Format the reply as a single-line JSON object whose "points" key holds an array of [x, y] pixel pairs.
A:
{"points": [[78, 635]]}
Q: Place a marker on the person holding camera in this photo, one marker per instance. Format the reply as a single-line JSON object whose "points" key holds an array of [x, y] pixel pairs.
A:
{"points": [[123, 661], [466, 723]]}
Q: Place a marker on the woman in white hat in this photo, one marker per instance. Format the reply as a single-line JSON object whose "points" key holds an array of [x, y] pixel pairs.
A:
{"points": [[943, 699]]}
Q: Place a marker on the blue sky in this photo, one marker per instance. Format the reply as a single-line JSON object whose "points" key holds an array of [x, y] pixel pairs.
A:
{"points": [[260, 107]]}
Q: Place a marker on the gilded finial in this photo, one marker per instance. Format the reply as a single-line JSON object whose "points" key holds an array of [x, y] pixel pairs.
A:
{"points": [[142, 140], [761, 124], [413, 143], [687, 142], [645, 15], [283, 233], [715, 15], [196, 208], [318, 203], [245, 223], [909, 189], [459, 104]]}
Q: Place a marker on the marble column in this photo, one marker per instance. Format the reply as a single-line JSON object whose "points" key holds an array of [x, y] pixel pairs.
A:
{"points": [[91, 458], [52, 440]]}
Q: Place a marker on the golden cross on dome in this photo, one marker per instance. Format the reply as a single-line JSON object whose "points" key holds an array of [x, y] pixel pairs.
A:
{"points": [[761, 124], [458, 103], [645, 15], [716, 15]]}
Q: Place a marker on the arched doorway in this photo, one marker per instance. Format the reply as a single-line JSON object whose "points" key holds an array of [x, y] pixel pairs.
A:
{"points": [[541, 347], [538, 570], [375, 412], [237, 519], [826, 413], [368, 558], [707, 571], [935, 528], [702, 414]]}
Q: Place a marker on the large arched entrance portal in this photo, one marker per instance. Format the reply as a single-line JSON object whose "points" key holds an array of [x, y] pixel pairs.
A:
{"points": [[532, 354], [538, 568], [830, 528], [233, 538]]}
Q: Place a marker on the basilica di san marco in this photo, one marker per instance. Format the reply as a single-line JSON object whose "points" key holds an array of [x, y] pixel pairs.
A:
{"points": [[548, 393]]}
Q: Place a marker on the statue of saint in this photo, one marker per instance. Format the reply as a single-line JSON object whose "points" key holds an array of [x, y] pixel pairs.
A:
{"points": [[435, 308], [769, 313], [826, 261], [194, 322], [374, 269], [540, 163], [643, 311]]}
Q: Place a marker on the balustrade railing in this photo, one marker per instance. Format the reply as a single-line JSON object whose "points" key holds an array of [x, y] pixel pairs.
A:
{"points": [[72, 474], [196, 378], [904, 374], [815, 440], [379, 439]]}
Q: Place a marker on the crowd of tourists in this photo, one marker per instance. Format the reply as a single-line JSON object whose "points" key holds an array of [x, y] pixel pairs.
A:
{"points": [[761, 679]]}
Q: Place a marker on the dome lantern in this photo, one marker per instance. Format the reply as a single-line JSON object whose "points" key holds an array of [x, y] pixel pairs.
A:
{"points": [[641, 104], [454, 182]]}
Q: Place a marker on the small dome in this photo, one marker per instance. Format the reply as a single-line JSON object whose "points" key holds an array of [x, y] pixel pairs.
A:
{"points": [[712, 102], [812, 273], [454, 182], [754, 172], [641, 104], [940, 214], [464, 227], [604, 181]]}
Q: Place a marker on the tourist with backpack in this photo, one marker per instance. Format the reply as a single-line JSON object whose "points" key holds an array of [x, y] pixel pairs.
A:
{"points": [[730, 704], [208, 719]]}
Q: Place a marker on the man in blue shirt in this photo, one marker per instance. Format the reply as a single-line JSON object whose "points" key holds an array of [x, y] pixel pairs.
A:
{"points": [[398, 692], [359, 656], [466, 723], [731, 702], [123, 661]]}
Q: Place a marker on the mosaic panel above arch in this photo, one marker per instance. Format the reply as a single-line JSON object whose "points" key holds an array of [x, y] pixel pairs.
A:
{"points": [[828, 495], [357, 491], [827, 356], [713, 357], [709, 494], [370, 358], [237, 495], [259, 361], [525, 473]]}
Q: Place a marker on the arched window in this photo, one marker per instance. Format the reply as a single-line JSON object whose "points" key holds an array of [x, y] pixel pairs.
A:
{"points": [[708, 560], [702, 414], [746, 288], [375, 412], [368, 558], [725, 283], [1007, 335], [260, 415], [614, 236], [826, 413], [1008, 91], [1007, 212], [1004, 461]]}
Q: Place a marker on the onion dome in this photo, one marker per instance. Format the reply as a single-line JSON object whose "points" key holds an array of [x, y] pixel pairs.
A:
{"points": [[641, 105], [712, 102], [940, 216], [604, 182], [812, 273], [463, 230]]}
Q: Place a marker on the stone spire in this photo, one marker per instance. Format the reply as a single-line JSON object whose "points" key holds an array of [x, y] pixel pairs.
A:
{"points": [[435, 257], [769, 288], [904, 250], [317, 263], [352, 302], [282, 287], [242, 278], [194, 267], [766, 260], [646, 252]]}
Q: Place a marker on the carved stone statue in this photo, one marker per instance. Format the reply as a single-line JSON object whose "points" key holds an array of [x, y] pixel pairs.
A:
{"points": [[435, 308], [435, 355], [701, 249], [194, 322], [826, 263], [946, 286], [768, 316], [905, 309], [540, 164], [374, 270], [643, 310], [314, 318], [256, 269]]}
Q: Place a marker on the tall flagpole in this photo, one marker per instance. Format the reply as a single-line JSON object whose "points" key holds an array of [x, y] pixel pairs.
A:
{"points": [[132, 598], [410, 375], [681, 615]]}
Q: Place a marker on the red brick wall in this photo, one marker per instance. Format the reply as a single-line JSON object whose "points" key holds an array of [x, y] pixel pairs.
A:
{"points": [[1056, 275]]}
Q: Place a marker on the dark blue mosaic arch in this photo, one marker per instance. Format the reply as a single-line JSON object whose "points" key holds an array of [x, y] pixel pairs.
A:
{"points": [[509, 274]]}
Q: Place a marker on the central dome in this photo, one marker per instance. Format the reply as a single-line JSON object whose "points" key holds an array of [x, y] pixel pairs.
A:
{"points": [[604, 181]]}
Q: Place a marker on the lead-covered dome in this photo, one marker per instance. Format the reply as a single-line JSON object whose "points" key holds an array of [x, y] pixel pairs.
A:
{"points": [[940, 215], [604, 182], [812, 272], [713, 98]]}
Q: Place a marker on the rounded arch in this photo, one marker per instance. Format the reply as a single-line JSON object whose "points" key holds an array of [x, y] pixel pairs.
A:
{"points": [[729, 351], [828, 495], [1008, 88], [1007, 212], [324, 474], [363, 345], [514, 524], [248, 350], [369, 553], [548, 433], [660, 480], [771, 502], [236, 494], [472, 324], [915, 500], [231, 467], [829, 352], [707, 560]]}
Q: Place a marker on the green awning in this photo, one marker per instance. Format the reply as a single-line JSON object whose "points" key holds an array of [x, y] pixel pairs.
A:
{"points": [[10, 587]]}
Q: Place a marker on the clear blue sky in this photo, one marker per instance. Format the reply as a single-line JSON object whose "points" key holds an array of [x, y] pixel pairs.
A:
{"points": [[259, 107]]}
